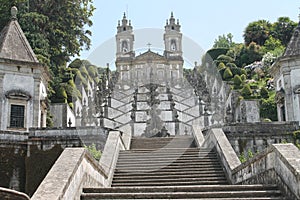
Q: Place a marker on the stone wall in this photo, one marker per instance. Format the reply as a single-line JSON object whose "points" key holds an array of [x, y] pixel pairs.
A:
{"points": [[26, 158], [62, 115], [255, 137]]}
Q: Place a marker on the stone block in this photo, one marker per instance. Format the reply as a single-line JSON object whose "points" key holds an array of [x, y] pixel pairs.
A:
{"points": [[141, 116], [170, 126], [139, 129], [163, 97], [142, 97], [166, 116], [142, 106], [164, 105]]}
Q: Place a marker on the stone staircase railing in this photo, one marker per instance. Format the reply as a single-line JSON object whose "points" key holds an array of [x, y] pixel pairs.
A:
{"points": [[8, 194], [279, 164], [75, 169]]}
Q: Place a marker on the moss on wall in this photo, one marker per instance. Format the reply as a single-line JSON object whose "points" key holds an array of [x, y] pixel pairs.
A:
{"points": [[38, 165], [12, 164]]}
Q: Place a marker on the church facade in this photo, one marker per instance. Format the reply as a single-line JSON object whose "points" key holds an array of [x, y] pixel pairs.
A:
{"points": [[149, 66]]}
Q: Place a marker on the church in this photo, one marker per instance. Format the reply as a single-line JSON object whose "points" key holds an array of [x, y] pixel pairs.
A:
{"points": [[149, 66], [161, 136]]}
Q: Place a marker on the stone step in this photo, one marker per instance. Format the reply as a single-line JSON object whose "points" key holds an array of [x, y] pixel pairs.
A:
{"points": [[159, 176], [169, 180], [167, 160], [165, 144], [170, 183], [157, 170], [134, 174], [202, 188], [168, 165], [170, 151], [175, 167], [258, 195], [167, 150], [163, 139], [162, 146]]}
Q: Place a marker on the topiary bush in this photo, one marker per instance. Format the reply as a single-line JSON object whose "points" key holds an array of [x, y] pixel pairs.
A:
{"points": [[237, 81], [246, 91], [227, 74]]}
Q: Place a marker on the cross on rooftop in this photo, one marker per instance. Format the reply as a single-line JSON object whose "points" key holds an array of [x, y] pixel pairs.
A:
{"points": [[149, 45]]}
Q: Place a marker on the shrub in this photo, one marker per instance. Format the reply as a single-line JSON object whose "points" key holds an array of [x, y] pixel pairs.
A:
{"points": [[268, 109], [237, 81], [246, 92], [243, 77], [264, 93], [227, 74], [225, 59], [93, 150], [242, 157], [221, 66]]}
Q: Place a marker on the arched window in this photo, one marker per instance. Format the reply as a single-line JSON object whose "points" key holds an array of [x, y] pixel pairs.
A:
{"points": [[17, 108], [173, 45], [124, 46]]}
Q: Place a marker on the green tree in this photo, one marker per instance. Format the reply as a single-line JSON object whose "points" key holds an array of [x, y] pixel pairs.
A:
{"points": [[273, 46], [5, 10], [55, 29], [258, 32], [283, 29], [224, 41], [248, 55]]}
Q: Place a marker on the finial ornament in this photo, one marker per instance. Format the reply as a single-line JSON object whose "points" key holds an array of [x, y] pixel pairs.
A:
{"points": [[124, 16], [172, 14], [14, 12]]}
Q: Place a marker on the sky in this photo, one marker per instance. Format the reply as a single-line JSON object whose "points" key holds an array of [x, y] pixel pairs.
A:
{"points": [[201, 22]]}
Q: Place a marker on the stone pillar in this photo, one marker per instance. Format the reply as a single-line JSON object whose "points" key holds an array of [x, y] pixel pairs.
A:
{"points": [[1, 98], [289, 110], [35, 115]]}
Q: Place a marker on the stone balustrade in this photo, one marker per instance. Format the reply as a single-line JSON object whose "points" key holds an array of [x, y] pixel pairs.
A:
{"points": [[62, 181], [278, 164], [74, 164]]}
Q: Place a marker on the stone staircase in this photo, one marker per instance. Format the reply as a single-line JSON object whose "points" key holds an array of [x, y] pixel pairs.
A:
{"points": [[174, 168], [129, 108]]}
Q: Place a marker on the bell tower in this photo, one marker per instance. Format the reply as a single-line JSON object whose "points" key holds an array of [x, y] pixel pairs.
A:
{"points": [[124, 39], [173, 38]]}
